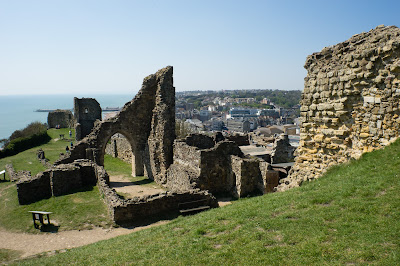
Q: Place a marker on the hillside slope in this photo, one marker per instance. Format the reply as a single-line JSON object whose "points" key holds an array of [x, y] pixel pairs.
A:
{"points": [[348, 216]]}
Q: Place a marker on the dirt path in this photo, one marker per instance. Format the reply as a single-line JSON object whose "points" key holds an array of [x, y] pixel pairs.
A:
{"points": [[31, 244], [123, 185]]}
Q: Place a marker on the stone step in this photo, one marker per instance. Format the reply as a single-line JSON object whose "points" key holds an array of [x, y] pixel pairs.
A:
{"points": [[197, 209]]}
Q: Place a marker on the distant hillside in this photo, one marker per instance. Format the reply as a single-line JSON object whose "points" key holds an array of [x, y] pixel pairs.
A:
{"points": [[282, 98], [349, 216]]}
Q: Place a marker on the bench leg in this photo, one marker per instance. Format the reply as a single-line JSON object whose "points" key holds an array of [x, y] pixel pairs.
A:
{"points": [[34, 221]]}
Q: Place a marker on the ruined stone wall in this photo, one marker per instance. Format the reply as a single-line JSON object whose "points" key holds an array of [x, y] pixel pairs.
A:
{"points": [[162, 134], [247, 176], [219, 168], [350, 102], [148, 124], [57, 181], [86, 112], [119, 147], [63, 118], [131, 210]]}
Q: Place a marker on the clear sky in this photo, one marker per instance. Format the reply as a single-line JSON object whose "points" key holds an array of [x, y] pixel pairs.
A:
{"points": [[57, 47]]}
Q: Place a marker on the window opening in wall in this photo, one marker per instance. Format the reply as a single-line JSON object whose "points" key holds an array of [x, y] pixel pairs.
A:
{"points": [[86, 110]]}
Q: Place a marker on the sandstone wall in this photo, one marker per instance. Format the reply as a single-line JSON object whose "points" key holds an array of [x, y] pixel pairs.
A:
{"points": [[350, 103]]}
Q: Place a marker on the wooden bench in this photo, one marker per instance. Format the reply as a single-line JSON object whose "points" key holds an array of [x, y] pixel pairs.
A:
{"points": [[38, 216]]}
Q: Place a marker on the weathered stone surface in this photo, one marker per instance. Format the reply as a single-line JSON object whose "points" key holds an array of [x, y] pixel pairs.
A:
{"points": [[148, 124], [86, 112], [61, 118], [282, 151], [57, 181], [363, 79]]}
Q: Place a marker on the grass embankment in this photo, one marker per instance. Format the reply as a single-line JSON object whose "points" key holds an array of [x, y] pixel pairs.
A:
{"points": [[349, 216], [80, 210]]}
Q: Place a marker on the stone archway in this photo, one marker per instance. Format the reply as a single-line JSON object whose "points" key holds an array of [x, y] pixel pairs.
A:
{"points": [[122, 147], [148, 122]]}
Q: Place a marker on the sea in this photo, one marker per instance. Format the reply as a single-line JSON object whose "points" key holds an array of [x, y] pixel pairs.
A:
{"points": [[17, 111]]}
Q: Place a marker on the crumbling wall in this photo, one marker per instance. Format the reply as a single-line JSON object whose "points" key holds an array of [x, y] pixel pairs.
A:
{"points": [[162, 134], [119, 147], [57, 181], [350, 102], [131, 210], [219, 168], [86, 112], [282, 151], [148, 124], [247, 177], [61, 118]]}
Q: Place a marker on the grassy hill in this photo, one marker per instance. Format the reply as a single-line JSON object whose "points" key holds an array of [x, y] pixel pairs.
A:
{"points": [[80, 210], [349, 216]]}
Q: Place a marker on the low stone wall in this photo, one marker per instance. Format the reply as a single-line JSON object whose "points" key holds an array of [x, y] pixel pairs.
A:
{"points": [[131, 210], [34, 189], [56, 181], [15, 176], [217, 167]]}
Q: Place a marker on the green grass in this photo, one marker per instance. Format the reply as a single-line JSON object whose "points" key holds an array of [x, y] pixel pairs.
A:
{"points": [[80, 210], [116, 166], [8, 255], [27, 160], [349, 216]]}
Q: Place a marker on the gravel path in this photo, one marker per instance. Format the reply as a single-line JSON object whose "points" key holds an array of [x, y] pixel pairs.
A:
{"points": [[32, 244]]}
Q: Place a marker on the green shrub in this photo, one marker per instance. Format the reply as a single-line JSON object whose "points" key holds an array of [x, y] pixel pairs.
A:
{"points": [[23, 143]]}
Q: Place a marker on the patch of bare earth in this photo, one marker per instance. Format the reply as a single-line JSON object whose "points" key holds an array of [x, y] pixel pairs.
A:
{"points": [[125, 187]]}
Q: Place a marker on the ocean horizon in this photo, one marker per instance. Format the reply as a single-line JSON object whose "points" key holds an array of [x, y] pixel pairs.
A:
{"points": [[17, 111]]}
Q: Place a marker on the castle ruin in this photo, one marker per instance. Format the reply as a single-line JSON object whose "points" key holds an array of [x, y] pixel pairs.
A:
{"points": [[350, 102]]}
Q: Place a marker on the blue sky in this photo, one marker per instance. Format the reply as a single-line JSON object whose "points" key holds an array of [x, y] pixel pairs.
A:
{"points": [[58, 47]]}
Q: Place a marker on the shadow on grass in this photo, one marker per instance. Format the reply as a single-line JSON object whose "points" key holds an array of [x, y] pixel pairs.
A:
{"points": [[49, 228]]}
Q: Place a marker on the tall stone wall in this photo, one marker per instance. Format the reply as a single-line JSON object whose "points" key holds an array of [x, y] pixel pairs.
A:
{"points": [[350, 102], [162, 134], [86, 112], [148, 124]]}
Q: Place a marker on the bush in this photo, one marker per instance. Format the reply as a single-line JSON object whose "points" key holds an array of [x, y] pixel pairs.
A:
{"points": [[33, 135]]}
